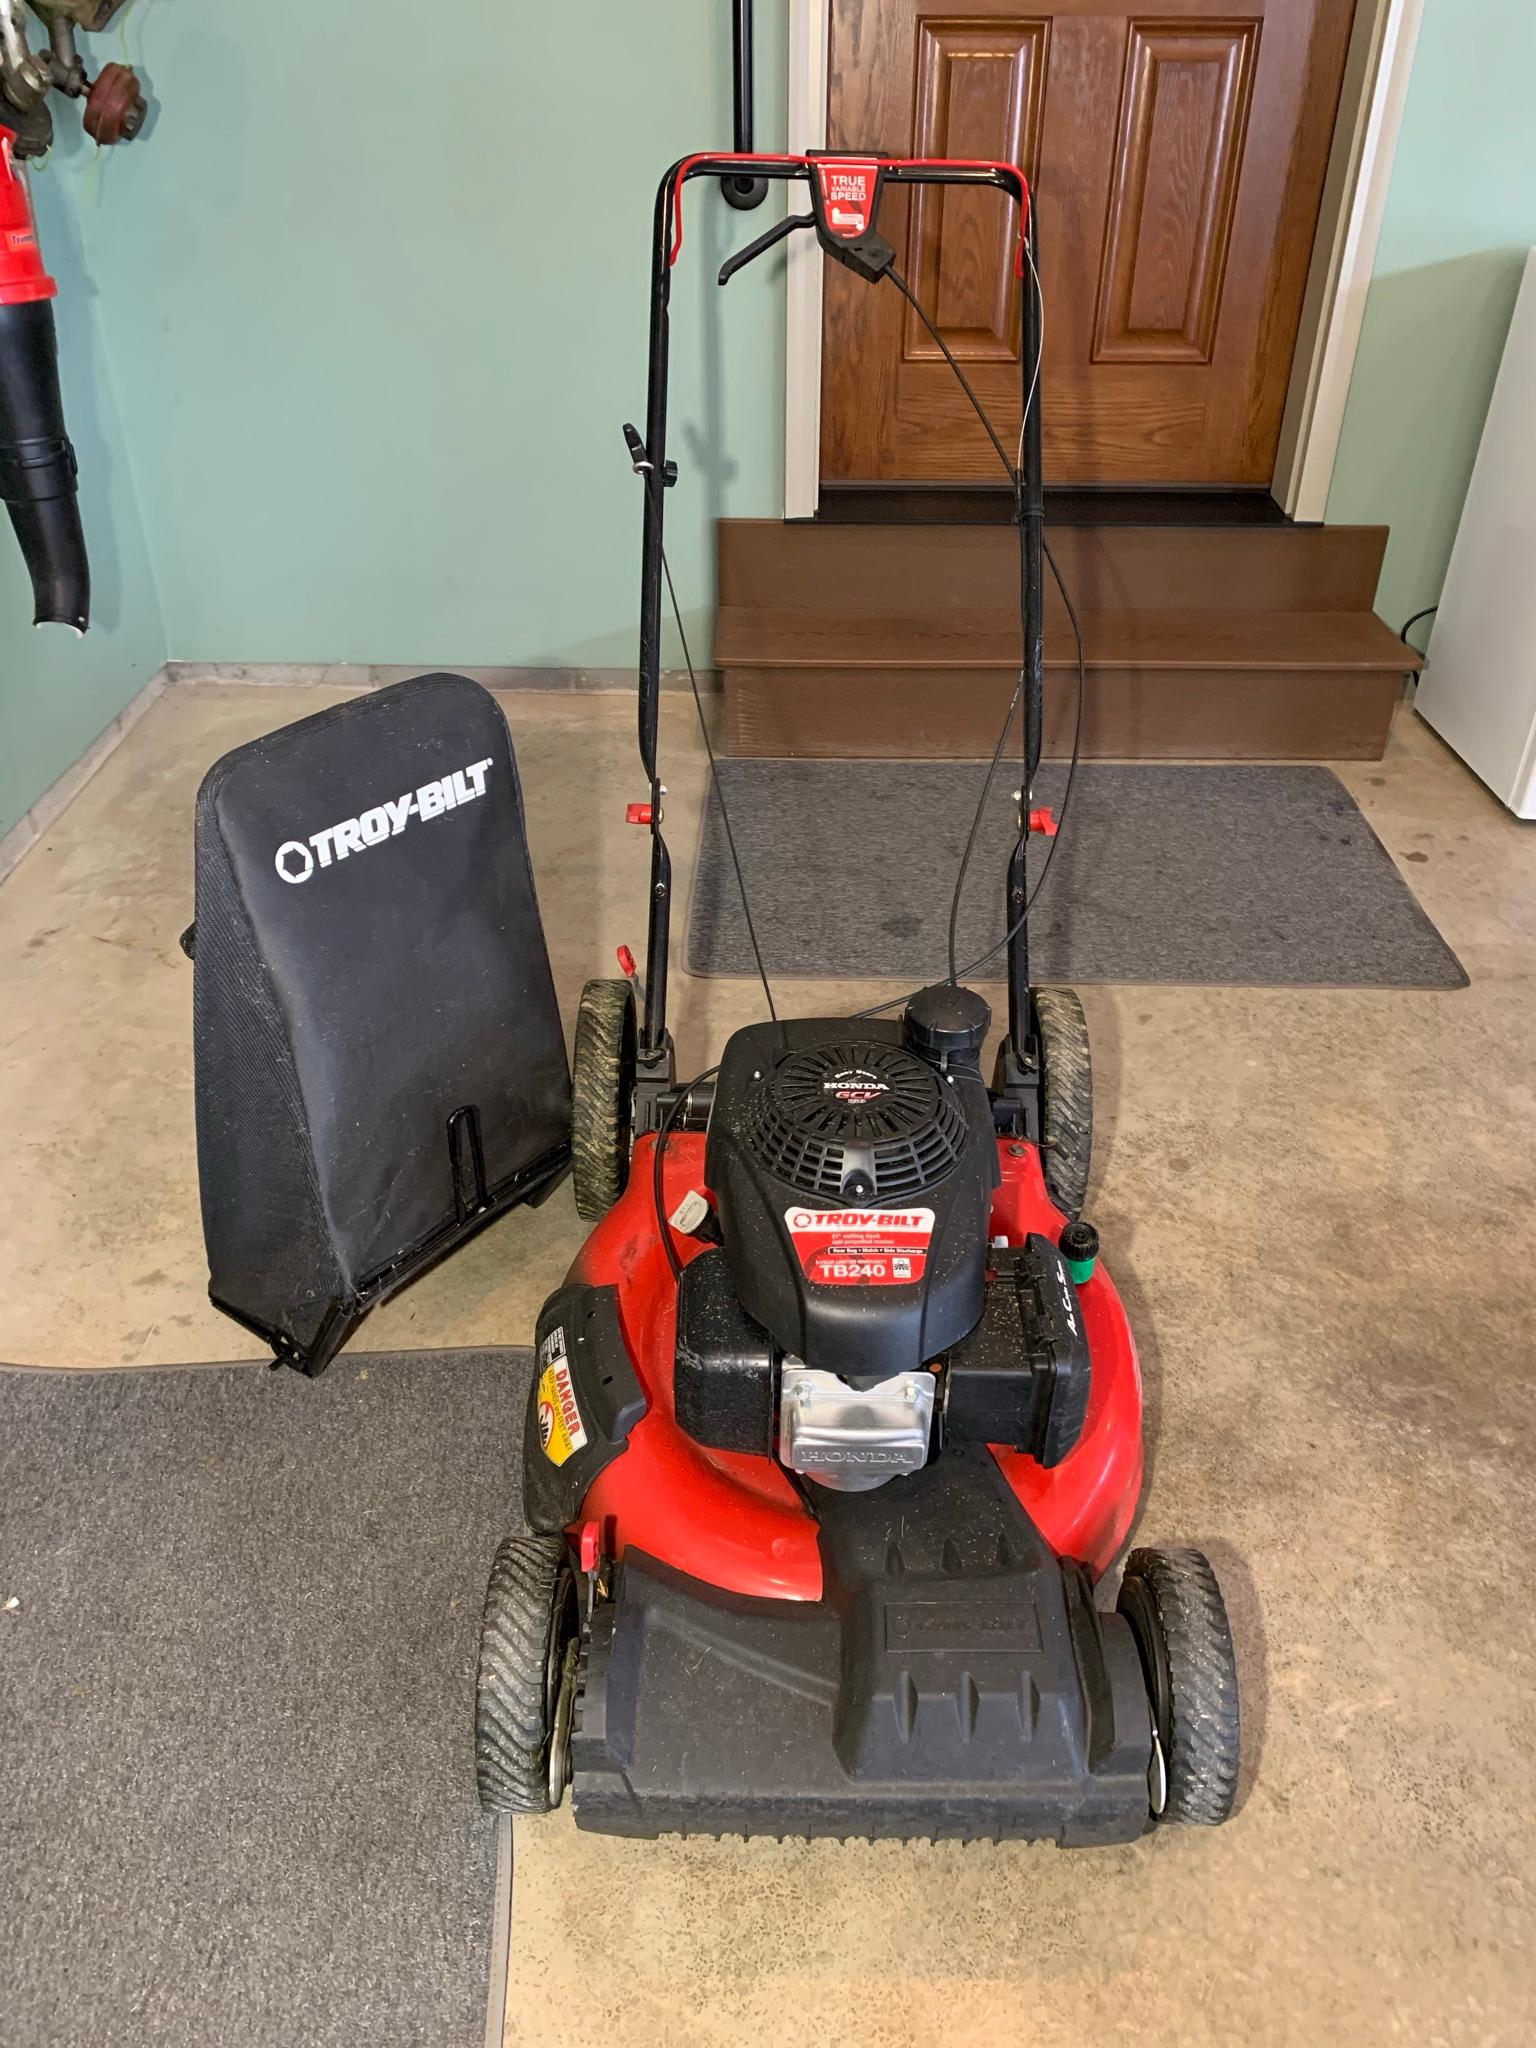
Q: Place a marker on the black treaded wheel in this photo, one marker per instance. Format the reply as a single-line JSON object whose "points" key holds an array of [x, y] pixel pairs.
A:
{"points": [[1179, 1620], [1066, 1091], [531, 1617], [602, 1094]]}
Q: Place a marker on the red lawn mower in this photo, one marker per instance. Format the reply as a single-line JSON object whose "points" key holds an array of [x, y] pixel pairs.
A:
{"points": [[836, 1423]]}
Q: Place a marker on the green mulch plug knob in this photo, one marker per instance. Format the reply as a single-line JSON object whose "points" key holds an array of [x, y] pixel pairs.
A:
{"points": [[1079, 1244]]}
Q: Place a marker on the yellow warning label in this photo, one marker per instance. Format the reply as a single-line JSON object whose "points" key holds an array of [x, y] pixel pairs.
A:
{"points": [[561, 1432]]}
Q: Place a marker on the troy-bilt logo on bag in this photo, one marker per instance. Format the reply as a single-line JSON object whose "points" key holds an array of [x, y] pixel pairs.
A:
{"points": [[295, 859], [561, 1430], [848, 195], [861, 1247]]}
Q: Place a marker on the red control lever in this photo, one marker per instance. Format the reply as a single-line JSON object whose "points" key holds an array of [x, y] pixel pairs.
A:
{"points": [[627, 965], [637, 814], [1043, 821]]}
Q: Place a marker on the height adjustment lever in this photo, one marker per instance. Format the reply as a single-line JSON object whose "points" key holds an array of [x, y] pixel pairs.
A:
{"points": [[753, 250]]}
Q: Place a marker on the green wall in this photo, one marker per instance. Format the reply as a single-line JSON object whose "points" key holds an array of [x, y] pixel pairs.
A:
{"points": [[1460, 217], [57, 692], [382, 312], [366, 312]]}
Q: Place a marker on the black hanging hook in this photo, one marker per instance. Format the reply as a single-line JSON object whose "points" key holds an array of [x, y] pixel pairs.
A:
{"points": [[743, 193]]}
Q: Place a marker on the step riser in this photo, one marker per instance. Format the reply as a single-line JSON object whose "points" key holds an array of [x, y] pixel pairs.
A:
{"points": [[1130, 715], [767, 563]]}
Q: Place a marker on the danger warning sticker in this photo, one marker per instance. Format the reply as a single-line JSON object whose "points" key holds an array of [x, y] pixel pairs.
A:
{"points": [[861, 1247], [561, 1430]]}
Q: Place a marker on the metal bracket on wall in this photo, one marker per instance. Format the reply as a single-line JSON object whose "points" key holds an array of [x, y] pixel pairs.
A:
{"points": [[115, 107]]}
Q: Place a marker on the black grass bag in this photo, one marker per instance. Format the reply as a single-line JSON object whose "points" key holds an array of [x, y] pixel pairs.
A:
{"points": [[380, 1064]]}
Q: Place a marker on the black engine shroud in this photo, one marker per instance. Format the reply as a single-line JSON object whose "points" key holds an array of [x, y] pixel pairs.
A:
{"points": [[844, 1161]]}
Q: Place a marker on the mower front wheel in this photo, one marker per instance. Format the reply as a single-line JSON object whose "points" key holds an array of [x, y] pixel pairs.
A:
{"points": [[1179, 1620], [602, 1096], [525, 1688]]}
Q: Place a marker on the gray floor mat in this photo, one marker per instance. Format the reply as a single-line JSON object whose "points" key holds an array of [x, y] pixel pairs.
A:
{"points": [[236, 1701], [1240, 875]]}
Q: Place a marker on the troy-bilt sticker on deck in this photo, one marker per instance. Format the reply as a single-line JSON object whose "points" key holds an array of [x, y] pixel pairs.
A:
{"points": [[561, 1430], [860, 1247]]}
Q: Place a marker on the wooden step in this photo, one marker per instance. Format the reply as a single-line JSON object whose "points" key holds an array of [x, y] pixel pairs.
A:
{"points": [[1148, 640], [1253, 643], [810, 566]]}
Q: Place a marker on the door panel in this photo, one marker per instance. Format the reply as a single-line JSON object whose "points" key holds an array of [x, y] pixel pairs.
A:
{"points": [[976, 88], [1177, 160], [1172, 192]]}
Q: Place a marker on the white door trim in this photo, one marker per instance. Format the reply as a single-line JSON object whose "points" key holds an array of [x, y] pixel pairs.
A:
{"points": [[808, 28], [1354, 199], [1344, 255]]}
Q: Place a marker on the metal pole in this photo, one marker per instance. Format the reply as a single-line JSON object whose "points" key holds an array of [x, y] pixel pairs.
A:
{"points": [[742, 193], [1020, 1021], [653, 1034]]}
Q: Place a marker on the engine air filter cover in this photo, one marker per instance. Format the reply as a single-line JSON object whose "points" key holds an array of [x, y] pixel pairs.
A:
{"points": [[855, 1110], [853, 1182]]}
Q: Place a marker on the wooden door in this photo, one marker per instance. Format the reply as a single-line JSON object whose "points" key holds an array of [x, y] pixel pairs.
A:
{"points": [[1177, 158]]}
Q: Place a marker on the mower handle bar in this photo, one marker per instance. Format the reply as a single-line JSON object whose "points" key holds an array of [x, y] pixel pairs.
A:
{"points": [[649, 458], [898, 170]]}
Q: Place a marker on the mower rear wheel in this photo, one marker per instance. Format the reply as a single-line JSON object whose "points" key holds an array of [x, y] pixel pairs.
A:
{"points": [[528, 1641], [1066, 1091], [602, 1095], [1176, 1612]]}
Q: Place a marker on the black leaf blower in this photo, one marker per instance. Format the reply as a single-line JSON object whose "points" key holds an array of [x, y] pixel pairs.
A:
{"points": [[37, 462]]}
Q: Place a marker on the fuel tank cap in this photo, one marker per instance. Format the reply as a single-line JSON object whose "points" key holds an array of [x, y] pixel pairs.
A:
{"points": [[945, 1024]]}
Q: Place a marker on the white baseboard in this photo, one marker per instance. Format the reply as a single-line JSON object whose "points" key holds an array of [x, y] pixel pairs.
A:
{"points": [[362, 675], [26, 832], [354, 675]]}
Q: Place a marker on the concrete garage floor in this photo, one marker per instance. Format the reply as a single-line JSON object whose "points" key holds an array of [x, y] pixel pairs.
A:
{"points": [[1319, 1207]]}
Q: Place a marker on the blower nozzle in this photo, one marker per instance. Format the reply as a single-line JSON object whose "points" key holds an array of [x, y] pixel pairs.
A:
{"points": [[37, 463]]}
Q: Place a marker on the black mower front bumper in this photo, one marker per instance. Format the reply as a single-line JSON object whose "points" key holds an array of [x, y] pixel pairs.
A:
{"points": [[955, 1680]]}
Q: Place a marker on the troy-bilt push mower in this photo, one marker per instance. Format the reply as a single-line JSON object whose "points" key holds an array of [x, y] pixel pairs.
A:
{"points": [[837, 1421]]}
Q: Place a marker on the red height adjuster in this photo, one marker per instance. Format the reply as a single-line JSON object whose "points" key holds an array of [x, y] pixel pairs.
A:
{"points": [[637, 814], [1043, 821]]}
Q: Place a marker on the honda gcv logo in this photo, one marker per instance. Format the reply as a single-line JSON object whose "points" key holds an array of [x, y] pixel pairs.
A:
{"points": [[296, 859]]}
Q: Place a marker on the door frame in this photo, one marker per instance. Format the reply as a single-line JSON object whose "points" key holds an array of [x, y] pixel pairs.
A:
{"points": [[810, 25], [1375, 87]]}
